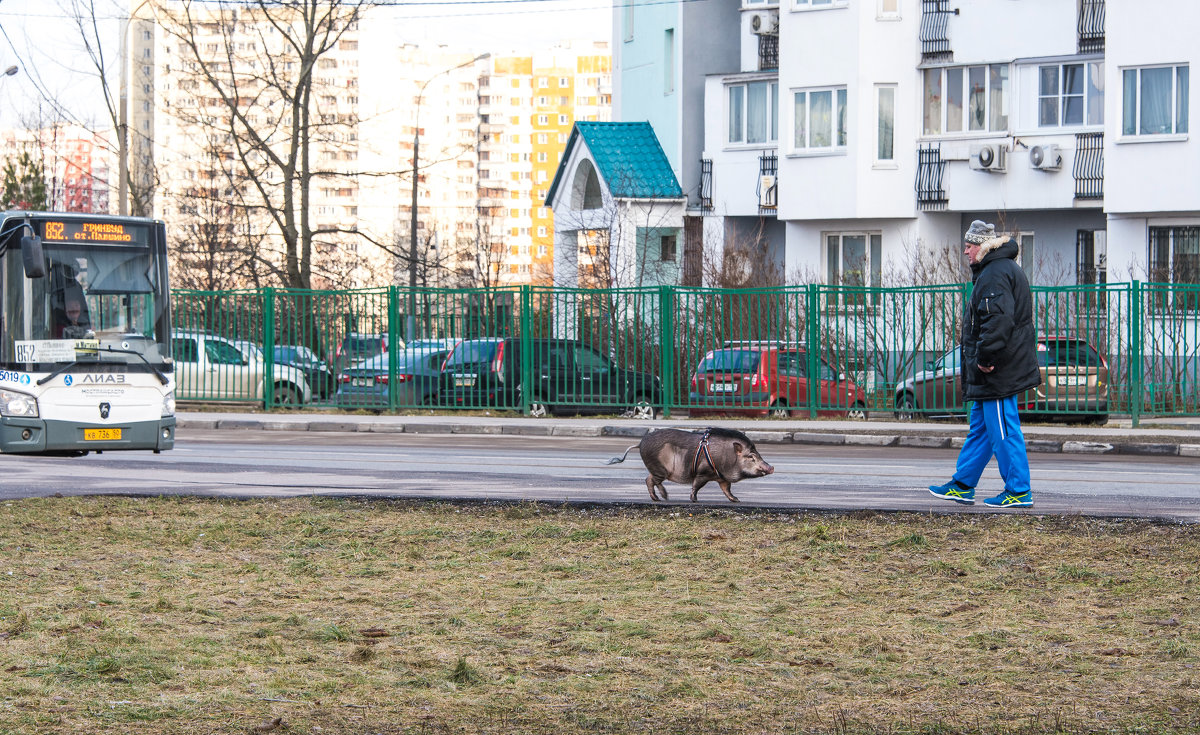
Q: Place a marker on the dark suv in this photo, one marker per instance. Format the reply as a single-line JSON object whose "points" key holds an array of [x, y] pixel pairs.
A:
{"points": [[566, 376], [769, 380]]}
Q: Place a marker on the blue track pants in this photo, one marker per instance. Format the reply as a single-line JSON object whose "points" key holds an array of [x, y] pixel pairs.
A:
{"points": [[995, 430]]}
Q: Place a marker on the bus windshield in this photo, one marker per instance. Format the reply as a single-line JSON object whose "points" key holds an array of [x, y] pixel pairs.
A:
{"points": [[98, 302]]}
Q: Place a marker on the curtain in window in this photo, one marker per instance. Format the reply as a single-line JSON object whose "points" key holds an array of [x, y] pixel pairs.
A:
{"points": [[1095, 98], [1129, 102], [736, 95], [977, 99], [1181, 100], [933, 101], [887, 116], [841, 117], [954, 100], [800, 115], [854, 260], [756, 112], [998, 103], [1072, 105], [1155, 109], [821, 119]]}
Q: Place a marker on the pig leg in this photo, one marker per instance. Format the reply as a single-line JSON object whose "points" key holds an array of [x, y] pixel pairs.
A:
{"points": [[725, 489], [696, 485], [651, 483]]}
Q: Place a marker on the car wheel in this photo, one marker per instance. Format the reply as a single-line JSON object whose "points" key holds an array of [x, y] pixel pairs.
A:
{"points": [[858, 412], [778, 410], [906, 407], [286, 395], [537, 409], [643, 410]]}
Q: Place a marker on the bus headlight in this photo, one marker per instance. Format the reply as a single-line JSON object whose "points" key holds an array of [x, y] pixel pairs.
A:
{"points": [[14, 403], [168, 407]]}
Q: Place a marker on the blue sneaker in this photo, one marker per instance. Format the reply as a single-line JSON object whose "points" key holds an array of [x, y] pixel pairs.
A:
{"points": [[1009, 499], [953, 490]]}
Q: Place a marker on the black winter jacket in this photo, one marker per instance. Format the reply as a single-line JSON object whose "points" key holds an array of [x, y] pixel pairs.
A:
{"points": [[998, 327]]}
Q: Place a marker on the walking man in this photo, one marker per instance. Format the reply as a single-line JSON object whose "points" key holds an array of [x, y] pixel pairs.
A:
{"points": [[999, 362]]}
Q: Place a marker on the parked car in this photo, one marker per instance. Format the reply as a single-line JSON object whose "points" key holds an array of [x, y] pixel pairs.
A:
{"points": [[443, 344], [418, 378], [759, 379], [1074, 385], [320, 378], [356, 347], [208, 367], [567, 377]]}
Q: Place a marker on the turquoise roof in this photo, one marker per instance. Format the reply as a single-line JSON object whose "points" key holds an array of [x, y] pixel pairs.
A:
{"points": [[628, 157]]}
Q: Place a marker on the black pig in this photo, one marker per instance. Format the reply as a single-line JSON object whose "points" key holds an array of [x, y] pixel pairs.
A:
{"points": [[698, 457]]}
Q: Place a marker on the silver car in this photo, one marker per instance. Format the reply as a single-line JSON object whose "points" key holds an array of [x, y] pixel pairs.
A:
{"points": [[212, 368]]}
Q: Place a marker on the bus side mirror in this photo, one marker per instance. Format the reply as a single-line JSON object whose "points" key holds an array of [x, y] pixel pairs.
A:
{"points": [[31, 254]]}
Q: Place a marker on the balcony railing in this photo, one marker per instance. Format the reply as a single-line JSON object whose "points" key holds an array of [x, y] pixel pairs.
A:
{"points": [[1089, 166], [1091, 26], [935, 35], [768, 52], [768, 183], [931, 196], [706, 184]]}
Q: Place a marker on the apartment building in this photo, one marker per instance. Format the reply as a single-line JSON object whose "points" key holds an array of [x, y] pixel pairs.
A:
{"points": [[75, 164], [854, 134]]}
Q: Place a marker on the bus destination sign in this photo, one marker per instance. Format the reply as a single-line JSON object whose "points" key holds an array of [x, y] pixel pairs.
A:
{"points": [[94, 233]]}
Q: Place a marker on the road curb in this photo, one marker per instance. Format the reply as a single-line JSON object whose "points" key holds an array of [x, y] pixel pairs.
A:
{"points": [[536, 428]]}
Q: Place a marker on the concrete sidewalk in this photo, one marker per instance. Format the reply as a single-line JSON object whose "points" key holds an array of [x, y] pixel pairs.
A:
{"points": [[1168, 437]]}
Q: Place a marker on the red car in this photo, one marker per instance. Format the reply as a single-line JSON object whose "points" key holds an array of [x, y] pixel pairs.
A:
{"points": [[769, 380]]}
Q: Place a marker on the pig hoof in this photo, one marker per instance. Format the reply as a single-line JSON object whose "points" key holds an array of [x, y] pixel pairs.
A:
{"points": [[732, 499]]}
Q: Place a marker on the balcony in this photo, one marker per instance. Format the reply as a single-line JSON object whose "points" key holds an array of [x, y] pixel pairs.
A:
{"points": [[1089, 166], [935, 35], [768, 52], [1091, 26], [931, 194], [706, 184], [768, 183]]}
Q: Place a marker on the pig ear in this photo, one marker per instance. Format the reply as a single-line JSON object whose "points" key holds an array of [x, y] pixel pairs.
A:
{"points": [[737, 447]]}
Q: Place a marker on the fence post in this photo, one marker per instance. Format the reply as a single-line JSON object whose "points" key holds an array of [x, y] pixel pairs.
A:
{"points": [[268, 301], [666, 342], [525, 322], [1136, 377], [393, 344], [812, 347]]}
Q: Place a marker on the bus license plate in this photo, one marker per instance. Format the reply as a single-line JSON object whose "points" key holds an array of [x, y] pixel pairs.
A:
{"points": [[101, 435]]}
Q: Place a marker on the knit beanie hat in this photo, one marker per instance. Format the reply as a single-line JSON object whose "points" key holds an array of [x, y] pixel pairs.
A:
{"points": [[980, 232]]}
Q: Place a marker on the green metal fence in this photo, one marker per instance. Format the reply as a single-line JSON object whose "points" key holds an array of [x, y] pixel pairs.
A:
{"points": [[1129, 348]]}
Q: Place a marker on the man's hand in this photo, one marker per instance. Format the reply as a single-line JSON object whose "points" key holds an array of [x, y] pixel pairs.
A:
{"points": [[986, 369]]}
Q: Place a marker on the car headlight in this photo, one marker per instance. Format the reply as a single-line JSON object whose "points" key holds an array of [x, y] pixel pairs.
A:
{"points": [[14, 403], [168, 404]]}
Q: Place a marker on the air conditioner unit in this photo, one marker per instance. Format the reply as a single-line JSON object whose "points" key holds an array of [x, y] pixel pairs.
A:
{"points": [[767, 194], [992, 157], [765, 22], [1046, 157]]}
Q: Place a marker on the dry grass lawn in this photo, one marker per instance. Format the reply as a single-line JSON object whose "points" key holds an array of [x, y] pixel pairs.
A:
{"points": [[155, 616]]}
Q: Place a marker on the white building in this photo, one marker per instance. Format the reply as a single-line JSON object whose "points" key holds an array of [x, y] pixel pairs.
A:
{"points": [[854, 133]]}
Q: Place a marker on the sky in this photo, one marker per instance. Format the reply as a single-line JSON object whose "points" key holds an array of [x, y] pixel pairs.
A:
{"points": [[35, 35]]}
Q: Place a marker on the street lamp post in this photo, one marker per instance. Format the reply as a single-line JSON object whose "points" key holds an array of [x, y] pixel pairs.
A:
{"points": [[123, 123], [413, 249]]}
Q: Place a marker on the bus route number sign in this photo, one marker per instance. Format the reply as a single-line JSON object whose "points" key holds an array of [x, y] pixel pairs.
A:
{"points": [[95, 233]]}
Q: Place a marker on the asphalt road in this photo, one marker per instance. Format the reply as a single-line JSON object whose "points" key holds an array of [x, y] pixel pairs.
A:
{"points": [[570, 469]]}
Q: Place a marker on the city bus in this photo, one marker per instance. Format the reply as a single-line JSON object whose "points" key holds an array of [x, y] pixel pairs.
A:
{"points": [[85, 335]]}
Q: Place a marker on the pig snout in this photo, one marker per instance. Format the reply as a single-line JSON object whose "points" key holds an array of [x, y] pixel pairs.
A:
{"points": [[768, 469]]}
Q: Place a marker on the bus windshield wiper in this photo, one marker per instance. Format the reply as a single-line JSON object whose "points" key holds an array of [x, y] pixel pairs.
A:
{"points": [[162, 378]]}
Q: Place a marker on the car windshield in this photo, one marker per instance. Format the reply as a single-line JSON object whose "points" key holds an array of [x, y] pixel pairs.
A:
{"points": [[472, 352], [731, 361]]}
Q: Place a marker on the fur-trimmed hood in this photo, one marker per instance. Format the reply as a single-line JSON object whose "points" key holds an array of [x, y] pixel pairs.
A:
{"points": [[1002, 246]]}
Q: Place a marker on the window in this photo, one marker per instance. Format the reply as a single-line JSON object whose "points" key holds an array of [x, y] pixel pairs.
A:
{"points": [[965, 99], [889, 9], [1154, 100], [886, 131], [667, 248], [1025, 244], [1070, 94], [854, 258], [814, 4], [628, 22], [1175, 254], [668, 64], [542, 120], [819, 119], [753, 112]]}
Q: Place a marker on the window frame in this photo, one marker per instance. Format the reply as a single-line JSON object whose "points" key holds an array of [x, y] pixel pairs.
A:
{"points": [[873, 241], [1153, 266], [880, 161], [1091, 97], [990, 115], [811, 5], [1138, 102], [772, 131], [839, 133]]}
